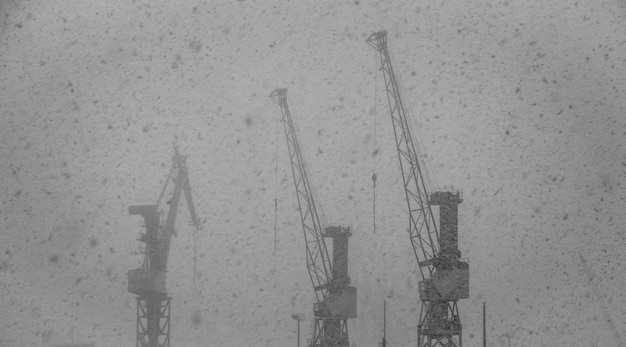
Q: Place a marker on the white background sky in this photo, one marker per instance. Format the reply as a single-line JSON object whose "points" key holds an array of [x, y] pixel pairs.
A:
{"points": [[520, 104]]}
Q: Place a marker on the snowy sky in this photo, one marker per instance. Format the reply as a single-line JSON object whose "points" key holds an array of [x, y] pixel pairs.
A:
{"points": [[518, 103]]}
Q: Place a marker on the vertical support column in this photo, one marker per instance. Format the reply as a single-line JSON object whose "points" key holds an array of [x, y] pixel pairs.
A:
{"points": [[153, 321], [332, 314], [448, 221], [318, 333], [339, 235], [484, 325], [440, 324]]}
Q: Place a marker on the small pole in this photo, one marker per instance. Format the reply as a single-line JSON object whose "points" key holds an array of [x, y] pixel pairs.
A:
{"points": [[385, 323], [298, 317], [484, 326]]}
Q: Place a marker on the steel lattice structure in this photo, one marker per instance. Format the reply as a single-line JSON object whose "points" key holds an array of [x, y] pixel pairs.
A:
{"points": [[148, 281], [335, 299], [445, 278]]}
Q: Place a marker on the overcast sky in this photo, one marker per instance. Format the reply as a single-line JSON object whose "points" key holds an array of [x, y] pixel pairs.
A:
{"points": [[518, 103]]}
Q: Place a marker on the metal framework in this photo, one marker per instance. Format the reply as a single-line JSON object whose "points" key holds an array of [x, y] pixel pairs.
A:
{"points": [[445, 278], [335, 299], [148, 281], [153, 321]]}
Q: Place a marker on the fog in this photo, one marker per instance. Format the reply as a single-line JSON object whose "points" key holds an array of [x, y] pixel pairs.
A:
{"points": [[519, 104]]}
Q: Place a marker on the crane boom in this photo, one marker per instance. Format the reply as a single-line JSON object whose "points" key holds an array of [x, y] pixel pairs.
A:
{"points": [[446, 279], [148, 281], [422, 228], [336, 299], [181, 186], [318, 261]]}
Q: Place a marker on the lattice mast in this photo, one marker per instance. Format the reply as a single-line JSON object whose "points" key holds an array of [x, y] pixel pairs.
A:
{"points": [[148, 281], [335, 299], [445, 278]]}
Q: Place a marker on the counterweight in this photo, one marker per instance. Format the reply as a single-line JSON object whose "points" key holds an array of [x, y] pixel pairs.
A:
{"points": [[445, 278], [336, 299]]}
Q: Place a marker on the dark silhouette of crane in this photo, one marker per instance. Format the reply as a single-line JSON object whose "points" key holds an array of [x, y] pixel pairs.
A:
{"points": [[336, 299], [445, 278], [148, 281]]}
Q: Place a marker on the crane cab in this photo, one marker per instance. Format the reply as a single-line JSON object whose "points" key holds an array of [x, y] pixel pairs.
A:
{"points": [[146, 281]]}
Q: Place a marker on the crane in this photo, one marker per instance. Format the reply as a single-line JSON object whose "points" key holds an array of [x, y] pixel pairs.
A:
{"points": [[445, 278], [335, 298], [148, 281]]}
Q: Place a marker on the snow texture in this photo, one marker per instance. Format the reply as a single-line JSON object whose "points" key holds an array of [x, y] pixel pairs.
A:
{"points": [[519, 103]]}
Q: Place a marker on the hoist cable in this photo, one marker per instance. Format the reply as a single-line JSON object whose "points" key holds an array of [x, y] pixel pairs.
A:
{"points": [[276, 184], [195, 251], [375, 151]]}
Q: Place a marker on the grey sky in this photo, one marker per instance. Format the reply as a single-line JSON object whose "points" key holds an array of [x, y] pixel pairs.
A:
{"points": [[520, 104]]}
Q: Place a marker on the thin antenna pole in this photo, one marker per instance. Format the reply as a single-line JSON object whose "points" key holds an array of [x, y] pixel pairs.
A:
{"points": [[384, 343], [484, 326]]}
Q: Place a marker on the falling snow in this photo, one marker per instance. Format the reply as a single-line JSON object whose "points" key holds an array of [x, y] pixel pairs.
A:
{"points": [[520, 104]]}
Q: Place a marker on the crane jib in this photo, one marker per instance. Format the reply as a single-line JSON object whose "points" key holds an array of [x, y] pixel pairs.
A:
{"points": [[318, 260], [336, 299], [445, 278], [149, 281]]}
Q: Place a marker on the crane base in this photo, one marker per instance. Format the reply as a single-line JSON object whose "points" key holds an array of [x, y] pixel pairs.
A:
{"points": [[153, 321]]}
